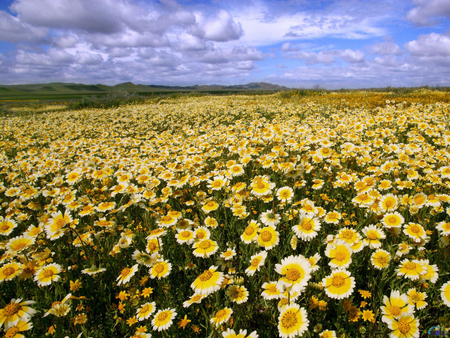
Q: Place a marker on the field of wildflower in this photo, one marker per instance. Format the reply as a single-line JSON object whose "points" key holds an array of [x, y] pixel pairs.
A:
{"points": [[228, 216]]}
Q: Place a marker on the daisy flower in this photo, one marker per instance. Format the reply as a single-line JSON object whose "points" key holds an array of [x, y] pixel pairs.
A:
{"points": [[445, 293], [54, 226], [210, 206], [417, 298], [327, 334], [339, 284], [308, 227], [238, 293], [160, 270], [20, 326], [332, 217], [285, 194], [405, 326], [269, 218], [380, 259], [166, 221], [395, 305], [443, 227], [270, 291], [296, 272], [432, 274], [229, 254], [388, 203], [145, 311], [48, 274], [194, 299], [15, 311], [6, 226], [415, 231], [261, 186], [250, 233], [185, 237], [373, 236], [163, 319], [393, 220], [313, 261], [292, 321], [412, 269], [221, 316], [205, 248], [208, 282], [268, 237], [126, 274], [256, 261], [9, 271], [340, 253]]}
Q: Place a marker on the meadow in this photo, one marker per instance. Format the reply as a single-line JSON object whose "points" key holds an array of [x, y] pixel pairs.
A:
{"points": [[292, 214]]}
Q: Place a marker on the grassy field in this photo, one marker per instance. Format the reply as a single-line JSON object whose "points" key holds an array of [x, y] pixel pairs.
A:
{"points": [[299, 213]]}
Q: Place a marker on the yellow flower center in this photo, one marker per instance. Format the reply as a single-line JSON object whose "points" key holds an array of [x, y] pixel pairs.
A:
{"points": [[266, 236], [163, 316], [11, 309], [151, 246], [410, 266], [403, 326], [4, 227], [415, 229], [289, 320], [185, 234], [260, 185], [340, 256], [306, 225], [255, 262], [293, 274], [205, 276], [11, 333], [249, 230], [372, 235], [347, 234], [221, 314], [9, 271], [337, 281], [395, 310], [60, 222], [48, 273], [204, 245], [159, 268], [144, 309], [273, 289], [125, 272]]}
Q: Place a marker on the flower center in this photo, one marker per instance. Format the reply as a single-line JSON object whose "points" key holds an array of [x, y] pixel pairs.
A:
{"points": [[4, 227], [403, 326], [306, 225], [11, 309], [347, 234], [395, 310], [249, 230], [60, 222], [266, 236], [144, 309], [372, 235], [159, 268], [185, 234], [9, 271], [205, 276], [337, 281], [125, 272], [410, 266], [293, 274], [221, 314], [289, 320], [11, 333], [255, 262], [48, 273], [415, 229], [205, 245], [162, 316], [340, 256]]}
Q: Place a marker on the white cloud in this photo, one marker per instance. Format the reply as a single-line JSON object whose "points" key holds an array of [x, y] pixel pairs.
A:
{"points": [[13, 30], [220, 28], [430, 45], [329, 56], [427, 11], [385, 48]]}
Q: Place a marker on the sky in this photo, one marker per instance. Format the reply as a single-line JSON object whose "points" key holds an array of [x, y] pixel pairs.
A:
{"points": [[330, 44]]}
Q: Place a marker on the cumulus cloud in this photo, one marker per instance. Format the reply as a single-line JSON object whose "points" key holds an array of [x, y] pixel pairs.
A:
{"points": [[385, 48], [220, 28], [13, 30], [329, 56], [427, 12], [430, 45]]}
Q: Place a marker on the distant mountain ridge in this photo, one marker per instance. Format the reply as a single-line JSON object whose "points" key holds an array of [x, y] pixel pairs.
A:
{"points": [[68, 89]]}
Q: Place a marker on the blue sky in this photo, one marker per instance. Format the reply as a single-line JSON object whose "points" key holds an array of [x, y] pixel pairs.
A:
{"points": [[296, 43]]}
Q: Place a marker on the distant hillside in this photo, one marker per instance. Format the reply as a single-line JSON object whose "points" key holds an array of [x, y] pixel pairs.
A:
{"points": [[60, 90]]}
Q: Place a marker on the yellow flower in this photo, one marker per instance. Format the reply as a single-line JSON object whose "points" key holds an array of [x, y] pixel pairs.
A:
{"points": [[380, 259], [205, 248], [238, 294], [445, 293], [296, 272], [417, 298], [221, 316], [48, 274], [147, 292], [210, 206], [75, 286], [126, 274], [208, 282], [394, 306], [268, 237], [256, 261], [405, 326], [292, 321], [340, 253], [163, 319], [15, 311], [339, 284], [123, 295], [160, 270], [9, 271], [411, 269], [131, 321], [184, 322], [13, 331], [367, 315], [308, 227], [250, 233], [145, 311]]}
